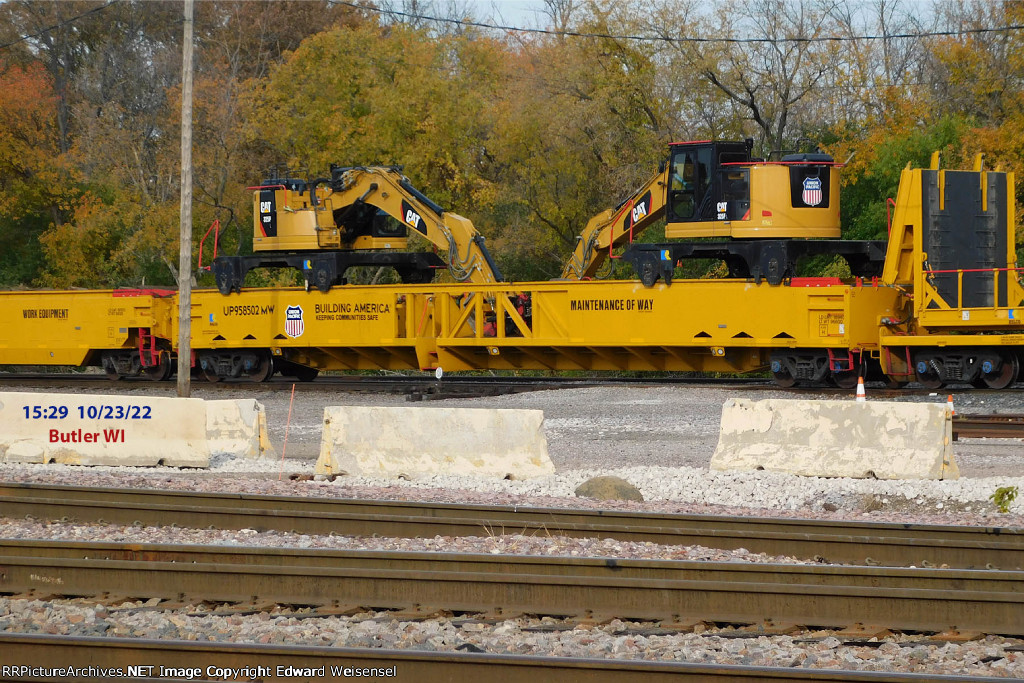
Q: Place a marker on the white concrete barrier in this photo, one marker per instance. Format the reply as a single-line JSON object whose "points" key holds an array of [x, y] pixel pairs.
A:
{"points": [[388, 442], [80, 429], [238, 428], [880, 439]]}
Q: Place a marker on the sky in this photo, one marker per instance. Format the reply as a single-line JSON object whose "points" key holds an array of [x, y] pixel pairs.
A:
{"points": [[527, 13]]}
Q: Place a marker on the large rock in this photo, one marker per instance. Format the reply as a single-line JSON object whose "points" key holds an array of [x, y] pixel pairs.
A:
{"points": [[609, 488]]}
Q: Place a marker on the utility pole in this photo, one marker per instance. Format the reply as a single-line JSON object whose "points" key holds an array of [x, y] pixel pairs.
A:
{"points": [[185, 252]]}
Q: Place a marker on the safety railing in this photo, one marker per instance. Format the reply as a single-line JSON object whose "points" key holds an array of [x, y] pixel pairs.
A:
{"points": [[930, 274]]}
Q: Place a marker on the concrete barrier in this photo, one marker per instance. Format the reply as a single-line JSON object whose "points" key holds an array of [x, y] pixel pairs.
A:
{"points": [[879, 439], [80, 429], [388, 442], [238, 428]]}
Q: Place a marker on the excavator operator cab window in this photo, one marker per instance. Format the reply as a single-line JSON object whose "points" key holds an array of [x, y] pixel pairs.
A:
{"points": [[386, 226], [683, 187], [689, 195]]}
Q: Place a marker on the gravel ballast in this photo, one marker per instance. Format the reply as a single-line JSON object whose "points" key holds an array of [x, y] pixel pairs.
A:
{"points": [[992, 656], [658, 438]]}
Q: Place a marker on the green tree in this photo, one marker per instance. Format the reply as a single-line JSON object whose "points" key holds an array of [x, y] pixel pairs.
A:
{"points": [[874, 174], [578, 128]]}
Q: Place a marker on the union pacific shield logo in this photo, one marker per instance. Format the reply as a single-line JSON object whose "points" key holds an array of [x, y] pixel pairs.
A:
{"points": [[293, 325], [812, 191]]}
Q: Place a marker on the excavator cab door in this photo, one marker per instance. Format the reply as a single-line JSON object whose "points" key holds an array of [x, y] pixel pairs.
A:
{"points": [[689, 184]]}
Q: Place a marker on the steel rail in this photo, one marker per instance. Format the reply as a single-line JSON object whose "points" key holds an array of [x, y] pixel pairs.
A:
{"points": [[451, 384], [509, 585], [993, 426], [828, 540], [423, 667]]}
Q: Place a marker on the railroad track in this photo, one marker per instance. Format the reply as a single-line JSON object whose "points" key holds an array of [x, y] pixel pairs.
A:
{"points": [[422, 667], [509, 586], [829, 541], [993, 426], [426, 386]]}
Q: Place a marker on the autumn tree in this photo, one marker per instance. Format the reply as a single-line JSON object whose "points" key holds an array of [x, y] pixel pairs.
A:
{"points": [[767, 57], [35, 177], [579, 126], [239, 44], [124, 104]]}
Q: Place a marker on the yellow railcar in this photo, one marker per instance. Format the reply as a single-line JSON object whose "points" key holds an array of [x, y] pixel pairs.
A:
{"points": [[704, 325], [79, 328], [952, 252], [947, 308]]}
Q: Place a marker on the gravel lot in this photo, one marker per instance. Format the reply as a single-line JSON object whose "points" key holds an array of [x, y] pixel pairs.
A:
{"points": [[659, 438]]}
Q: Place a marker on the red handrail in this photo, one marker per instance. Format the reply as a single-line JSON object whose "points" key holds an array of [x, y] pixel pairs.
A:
{"points": [[216, 236], [627, 207]]}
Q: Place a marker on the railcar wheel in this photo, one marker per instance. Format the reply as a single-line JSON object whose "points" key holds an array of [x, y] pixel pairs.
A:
{"points": [[211, 376], [928, 372], [110, 367], [1006, 375], [265, 369], [160, 371], [784, 379], [930, 381], [845, 380]]}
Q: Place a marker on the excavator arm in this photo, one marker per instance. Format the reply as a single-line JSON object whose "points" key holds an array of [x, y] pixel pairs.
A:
{"points": [[614, 227], [458, 242]]}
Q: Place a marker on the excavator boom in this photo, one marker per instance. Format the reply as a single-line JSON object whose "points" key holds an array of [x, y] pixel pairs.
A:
{"points": [[614, 227], [454, 236]]}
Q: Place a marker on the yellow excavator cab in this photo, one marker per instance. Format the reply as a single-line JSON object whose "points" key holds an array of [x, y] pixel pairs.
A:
{"points": [[716, 189]]}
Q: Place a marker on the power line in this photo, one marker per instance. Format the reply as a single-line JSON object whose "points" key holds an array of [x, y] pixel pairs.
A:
{"points": [[669, 39], [62, 24]]}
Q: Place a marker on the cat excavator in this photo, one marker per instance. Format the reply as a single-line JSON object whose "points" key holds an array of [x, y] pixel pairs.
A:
{"points": [[359, 216], [769, 214]]}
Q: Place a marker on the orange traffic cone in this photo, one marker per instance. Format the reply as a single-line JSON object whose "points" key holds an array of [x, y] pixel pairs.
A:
{"points": [[949, 404], [861, 396]]}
